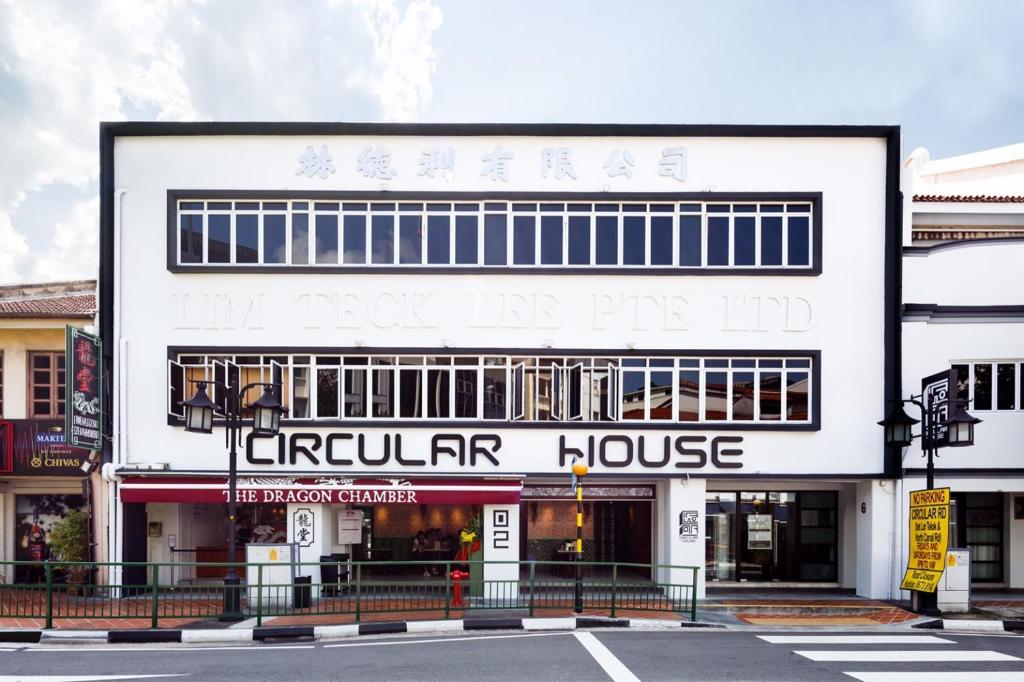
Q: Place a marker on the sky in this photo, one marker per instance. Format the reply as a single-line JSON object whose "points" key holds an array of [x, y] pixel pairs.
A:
{"points": [[948, 72]]}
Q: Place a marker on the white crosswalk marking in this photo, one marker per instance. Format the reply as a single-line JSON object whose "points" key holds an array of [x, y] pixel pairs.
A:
{"points": [[854, 639], [906, 656], [938, 677]]}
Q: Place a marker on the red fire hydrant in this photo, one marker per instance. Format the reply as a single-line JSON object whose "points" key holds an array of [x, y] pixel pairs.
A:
{"points": [[458, 576]]}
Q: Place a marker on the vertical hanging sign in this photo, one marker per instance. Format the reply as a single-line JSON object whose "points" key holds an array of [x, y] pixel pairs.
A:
{"points": [[84, 394]]}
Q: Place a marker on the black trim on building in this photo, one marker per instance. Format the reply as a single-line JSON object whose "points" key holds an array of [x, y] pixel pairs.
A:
{"points": [[893, 333], [933, 311], [958, 244], [815, 199]]}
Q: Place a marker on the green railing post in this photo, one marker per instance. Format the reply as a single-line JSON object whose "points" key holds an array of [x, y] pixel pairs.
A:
{"points": [[155, 589], [693, 596], [533, 582], [259, 595], [359, 581], [615, 575], [48, 567], [447, 590]]}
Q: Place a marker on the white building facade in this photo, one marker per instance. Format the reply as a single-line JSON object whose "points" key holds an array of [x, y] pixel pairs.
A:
{"points": [[708, 315], [964, 310]]}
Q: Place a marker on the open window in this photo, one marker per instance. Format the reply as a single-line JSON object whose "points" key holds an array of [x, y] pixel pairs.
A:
{"points": [[566, 387], [176, 388], [518, 398], [612, 398]]}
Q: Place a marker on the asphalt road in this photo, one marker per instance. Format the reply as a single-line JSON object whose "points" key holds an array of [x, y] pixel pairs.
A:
{"points": [[599, 655]]}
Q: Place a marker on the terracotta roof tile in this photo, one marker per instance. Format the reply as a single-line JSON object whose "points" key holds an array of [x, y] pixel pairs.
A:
{"points": [[972, 198], [52, 300]]}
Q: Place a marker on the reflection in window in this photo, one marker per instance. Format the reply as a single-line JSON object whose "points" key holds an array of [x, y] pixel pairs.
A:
{"points": [[742, 396], [355, 392], [633, 394], [218, 250], [660, 390], [274, 239], [771, 395], [1005, 389], [494, 393], [382, 403], [716, 395], [327, 239], [300, 393], [355, 239], [191, 239], [410, 240], [438, 393], [689, 395], [963, 386], [327, 392], [247, 238], [465, 393], [796, 396], [382, 244], [300, 239], [410, 393], [983, 386]]}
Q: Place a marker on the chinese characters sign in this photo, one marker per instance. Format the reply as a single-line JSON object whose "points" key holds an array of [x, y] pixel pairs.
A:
{"points": [[929, 536], [84, 411], [497, 164], [303, 532], [936, 390]]}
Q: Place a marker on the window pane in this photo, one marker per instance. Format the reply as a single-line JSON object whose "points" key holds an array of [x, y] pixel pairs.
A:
{"points": [[634, 245], [633, 392], [411, 393], [661, 240], [300, 239], [410, 241], [742, 396], [607, 240], [273, 239], [1005, 389], [798, 247], [689, 240], [523, 244], [300, 393], [465, 240], [465, 393], [495, 242], [963, 380], [771, 396], [689, 395], [660, 388], [355, 393], [579, 240], [247, 238], [382, 236], [718, 241], [191, 239], [744, 227], [771, 240], [218, 250], [551, 240], [438, 393], [495, 391], [796, 396], [983, 387], [382, 402], [327, 392], [355, 239], [716, 392], [438, 240], [326, 239]]}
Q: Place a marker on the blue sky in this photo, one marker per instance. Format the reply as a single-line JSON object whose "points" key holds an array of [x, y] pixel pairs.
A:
{"points": [[948, 72]]}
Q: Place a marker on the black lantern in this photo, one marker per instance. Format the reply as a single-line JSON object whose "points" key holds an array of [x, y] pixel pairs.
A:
{"points": [[266, 414], [961, 428], [898, 427], [199, 411]]}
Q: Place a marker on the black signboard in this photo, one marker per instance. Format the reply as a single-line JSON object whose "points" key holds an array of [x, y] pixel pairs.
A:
{"points": [[37, 447], [938, 390], [84, 410]]}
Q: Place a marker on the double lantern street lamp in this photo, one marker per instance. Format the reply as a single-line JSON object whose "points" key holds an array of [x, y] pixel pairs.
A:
{"points": [[266, 421]]}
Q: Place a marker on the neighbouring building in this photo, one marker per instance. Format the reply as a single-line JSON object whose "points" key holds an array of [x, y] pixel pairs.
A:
{"points": [[963, 294], [709, 315], [40, 475]]}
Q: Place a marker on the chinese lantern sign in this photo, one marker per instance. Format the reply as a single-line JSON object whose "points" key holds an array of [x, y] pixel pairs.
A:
{"points": [[84, 411]]}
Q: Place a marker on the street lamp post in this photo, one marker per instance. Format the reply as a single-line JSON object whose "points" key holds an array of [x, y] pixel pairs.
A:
{"points": [[266, 420], [959, 432], [579, 470]]}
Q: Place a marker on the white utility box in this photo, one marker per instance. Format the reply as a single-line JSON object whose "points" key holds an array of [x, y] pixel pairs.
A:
{"points": [[278, 572], [954, 592]]}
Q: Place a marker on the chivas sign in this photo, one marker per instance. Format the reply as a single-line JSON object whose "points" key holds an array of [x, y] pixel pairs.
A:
{"points": [[84, 409], [38, 447]]}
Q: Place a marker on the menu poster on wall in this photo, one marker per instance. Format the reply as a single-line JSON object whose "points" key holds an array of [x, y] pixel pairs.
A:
{"points": [[350, 526], [84, 410], [759, 531]]}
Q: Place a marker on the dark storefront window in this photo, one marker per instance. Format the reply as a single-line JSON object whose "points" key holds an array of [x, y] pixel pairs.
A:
{"points": [[976, 522]]}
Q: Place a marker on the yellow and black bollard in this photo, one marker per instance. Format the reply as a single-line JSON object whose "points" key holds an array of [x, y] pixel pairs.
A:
{"points": [[579, 469]]}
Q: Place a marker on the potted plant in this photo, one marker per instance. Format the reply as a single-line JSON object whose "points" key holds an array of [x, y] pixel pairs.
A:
{"points": [[69, 541]]}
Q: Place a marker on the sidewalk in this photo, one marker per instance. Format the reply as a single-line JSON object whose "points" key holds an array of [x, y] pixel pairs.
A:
{"points": [[799, 608]]}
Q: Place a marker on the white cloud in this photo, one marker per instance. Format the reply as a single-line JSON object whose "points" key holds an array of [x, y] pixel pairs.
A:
{"points": [[66, 66]]}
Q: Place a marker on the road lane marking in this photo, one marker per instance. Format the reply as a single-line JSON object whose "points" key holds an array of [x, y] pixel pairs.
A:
{"points": [[854, 639], [443, 639], [907, 656], [938, 676], [80, 678], [128, 647], [615, 668]]}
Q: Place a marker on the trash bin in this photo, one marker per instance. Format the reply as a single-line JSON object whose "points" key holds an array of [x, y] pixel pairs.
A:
{"points": [[302, 596], [329, 574]]}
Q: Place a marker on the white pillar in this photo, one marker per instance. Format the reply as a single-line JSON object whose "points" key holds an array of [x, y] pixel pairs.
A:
{"points": [[501, 543], [680, 523], [874, 510]]}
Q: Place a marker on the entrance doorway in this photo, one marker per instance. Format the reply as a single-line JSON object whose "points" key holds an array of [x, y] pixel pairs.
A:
{"points": [[770, 536]]}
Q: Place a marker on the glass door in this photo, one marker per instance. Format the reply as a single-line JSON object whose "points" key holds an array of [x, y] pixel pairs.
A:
{"points": [[767, 536]]}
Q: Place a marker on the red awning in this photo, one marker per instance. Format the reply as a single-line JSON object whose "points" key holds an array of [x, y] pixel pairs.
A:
{"points": [[282, 490]]}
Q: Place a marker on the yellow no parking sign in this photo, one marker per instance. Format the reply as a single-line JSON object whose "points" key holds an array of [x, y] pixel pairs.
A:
{"points": [[929, 539]]}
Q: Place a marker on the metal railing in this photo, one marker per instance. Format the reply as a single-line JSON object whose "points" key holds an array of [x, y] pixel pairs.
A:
{"points": [[146, 591]]}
